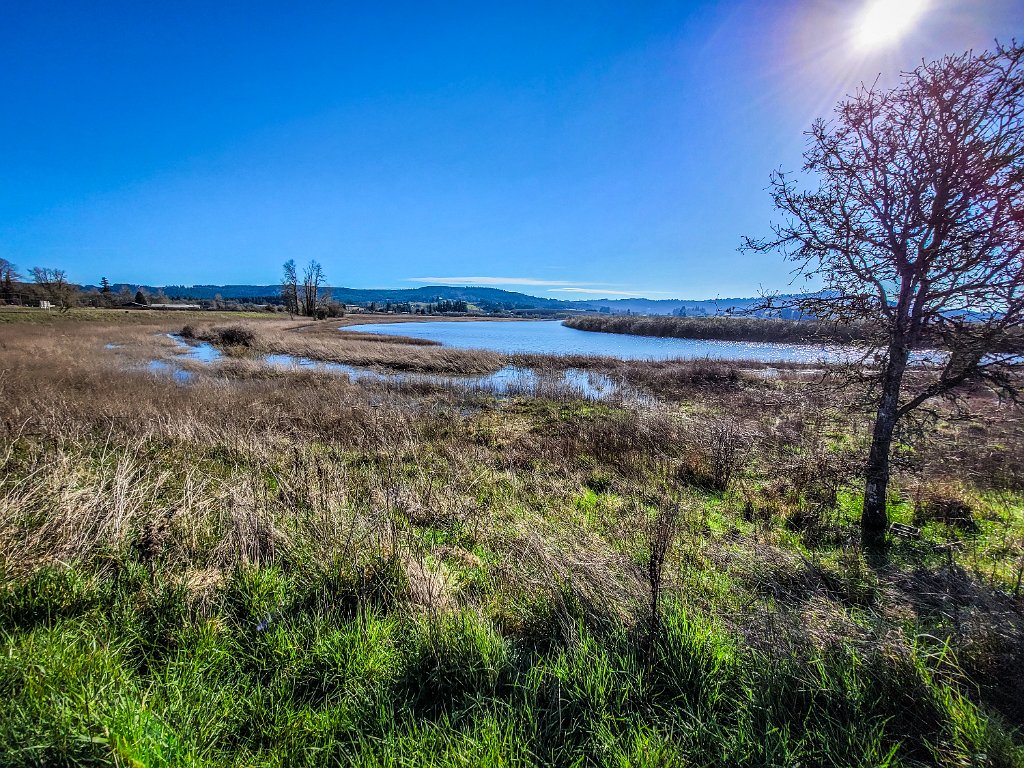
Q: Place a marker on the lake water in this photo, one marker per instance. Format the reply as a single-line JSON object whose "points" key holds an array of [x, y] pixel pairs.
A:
{"points": [[552, 338]]}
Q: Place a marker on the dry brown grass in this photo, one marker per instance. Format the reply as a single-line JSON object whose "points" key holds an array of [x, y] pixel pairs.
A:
{"points": [[415, 498], [722, 327], [102, 462], [323, 342], [100, 456]]}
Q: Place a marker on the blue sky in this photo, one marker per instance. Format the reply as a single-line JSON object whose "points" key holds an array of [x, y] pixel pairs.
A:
{"points": [[570, 150]]}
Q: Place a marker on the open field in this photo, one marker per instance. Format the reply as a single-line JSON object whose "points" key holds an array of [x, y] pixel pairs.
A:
{"points": [[23, 315], [288, 568]]}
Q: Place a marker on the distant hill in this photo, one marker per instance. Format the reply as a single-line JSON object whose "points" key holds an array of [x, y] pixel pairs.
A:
{"points": [[490, 299]]}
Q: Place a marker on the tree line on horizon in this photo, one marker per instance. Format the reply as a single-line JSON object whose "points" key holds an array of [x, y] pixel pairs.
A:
{"points": [[52, 285], [43, 284], [305, 297]]}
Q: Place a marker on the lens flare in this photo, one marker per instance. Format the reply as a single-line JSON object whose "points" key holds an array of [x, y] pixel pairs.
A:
{"points": [[883, 22]]}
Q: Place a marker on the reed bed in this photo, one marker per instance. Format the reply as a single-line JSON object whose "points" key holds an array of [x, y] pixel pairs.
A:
{"points": [[723, 328]]}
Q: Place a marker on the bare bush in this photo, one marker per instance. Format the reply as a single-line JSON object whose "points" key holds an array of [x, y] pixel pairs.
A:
{"points": [[946, 503], [662, 531], [236, 336], [714, 451]]}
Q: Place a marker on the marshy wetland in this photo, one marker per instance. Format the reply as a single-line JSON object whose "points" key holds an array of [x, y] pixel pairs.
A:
{"points": [[245, 559]]}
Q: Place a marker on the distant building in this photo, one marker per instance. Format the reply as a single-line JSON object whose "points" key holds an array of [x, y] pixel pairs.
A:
{"points": [[43, 304]]}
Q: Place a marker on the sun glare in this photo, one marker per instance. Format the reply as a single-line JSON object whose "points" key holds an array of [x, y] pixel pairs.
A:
{"points": [[883, 22]]}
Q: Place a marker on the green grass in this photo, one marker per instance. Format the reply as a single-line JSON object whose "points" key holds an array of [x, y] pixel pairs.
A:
{"points": [[125, 672]]}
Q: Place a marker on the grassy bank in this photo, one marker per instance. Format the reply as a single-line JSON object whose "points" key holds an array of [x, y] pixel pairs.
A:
{"points": [[299, 570], [722, 328]]}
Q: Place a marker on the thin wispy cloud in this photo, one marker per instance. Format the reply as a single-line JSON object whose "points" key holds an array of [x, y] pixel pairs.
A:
{"points": [[604, 291], [491, 280]]}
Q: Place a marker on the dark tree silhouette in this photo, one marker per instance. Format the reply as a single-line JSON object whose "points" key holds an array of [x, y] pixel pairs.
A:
{"points": [[312, 279], [290, 287], [54, 285], [916, 229]]}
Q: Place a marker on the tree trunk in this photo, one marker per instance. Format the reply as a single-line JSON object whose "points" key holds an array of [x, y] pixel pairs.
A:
{"points": [[874, 519]]}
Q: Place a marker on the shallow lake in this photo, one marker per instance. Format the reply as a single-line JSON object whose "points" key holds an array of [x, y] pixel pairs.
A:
{"points": [[552, 338]]}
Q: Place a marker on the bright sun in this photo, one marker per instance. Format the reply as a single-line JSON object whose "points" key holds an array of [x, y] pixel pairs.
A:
{"points": [[883, 22]]}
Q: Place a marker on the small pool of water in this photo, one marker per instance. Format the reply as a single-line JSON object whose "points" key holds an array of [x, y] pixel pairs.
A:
{"points": [[202, 351], [550, 337], [163, 368]]}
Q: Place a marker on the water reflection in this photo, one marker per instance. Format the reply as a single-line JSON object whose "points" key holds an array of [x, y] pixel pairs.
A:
{"points": [[163, 368], [510, 380]]}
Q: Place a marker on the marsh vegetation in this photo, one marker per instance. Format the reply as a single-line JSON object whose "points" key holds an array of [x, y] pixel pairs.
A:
{"points": [[269, 567], [722, 328]]}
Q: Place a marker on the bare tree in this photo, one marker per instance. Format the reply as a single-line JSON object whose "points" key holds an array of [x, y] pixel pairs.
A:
{"points": [[290, 287], [312, 279], [54, 285], [916, 229]]}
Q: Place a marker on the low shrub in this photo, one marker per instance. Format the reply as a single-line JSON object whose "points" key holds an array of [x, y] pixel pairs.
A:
{"points": [[946, 504], [236, 336]]}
